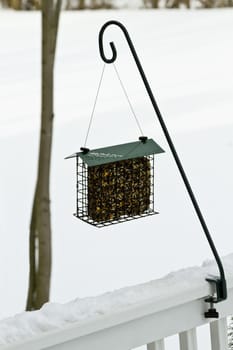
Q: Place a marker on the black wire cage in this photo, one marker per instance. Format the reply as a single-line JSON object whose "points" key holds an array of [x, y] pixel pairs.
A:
{"points": [[116, 184]]}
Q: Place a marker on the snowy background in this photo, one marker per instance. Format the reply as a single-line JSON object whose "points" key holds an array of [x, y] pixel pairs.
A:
{"points": [[187, 56]]}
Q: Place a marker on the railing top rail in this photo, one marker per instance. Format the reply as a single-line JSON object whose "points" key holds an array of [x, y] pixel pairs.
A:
{"points": [[174, 292]]}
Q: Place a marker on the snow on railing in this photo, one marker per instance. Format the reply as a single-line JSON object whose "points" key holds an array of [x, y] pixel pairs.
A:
{"points": [[127, 318]]}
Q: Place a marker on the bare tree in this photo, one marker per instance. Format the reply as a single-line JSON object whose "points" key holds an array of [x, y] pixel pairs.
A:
{"points": [[81, 5], [22, 4], [40, 227], [4, 3], [33, 4], [15, 4], [154, 4], [68, 4], [174, 4], [151, 3]]}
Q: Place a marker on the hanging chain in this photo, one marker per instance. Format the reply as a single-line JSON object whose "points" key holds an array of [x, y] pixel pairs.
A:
{"points": [[127, 97], [95, 102]]}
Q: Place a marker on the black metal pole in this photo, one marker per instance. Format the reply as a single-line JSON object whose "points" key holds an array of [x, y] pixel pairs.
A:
{"points": [[221, 289]]}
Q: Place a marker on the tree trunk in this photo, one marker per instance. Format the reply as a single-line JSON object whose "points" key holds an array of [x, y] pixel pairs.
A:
{"points": [[40, 227], [68, 4], [5, 3], [93, 4], [16, 4], [154, 4], [33, 5], [81, 5]]}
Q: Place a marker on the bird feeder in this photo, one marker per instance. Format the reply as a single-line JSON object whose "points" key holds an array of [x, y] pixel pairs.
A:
{"points": [[116, 183]]}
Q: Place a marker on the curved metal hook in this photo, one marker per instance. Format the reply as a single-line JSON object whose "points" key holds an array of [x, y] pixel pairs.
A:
{"points": [[220, 283], [112, 45]]}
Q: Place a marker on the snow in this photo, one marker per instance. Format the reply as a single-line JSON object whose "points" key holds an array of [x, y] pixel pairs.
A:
{"points": [[187, 57], [54, 315]]}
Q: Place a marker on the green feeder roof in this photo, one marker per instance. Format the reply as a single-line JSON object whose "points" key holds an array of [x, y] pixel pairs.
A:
{"points": [[119, 152]]}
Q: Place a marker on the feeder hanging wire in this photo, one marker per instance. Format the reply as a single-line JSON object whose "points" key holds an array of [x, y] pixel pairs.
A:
{"points": [[96, 99], [127, 98], [95, 102]]}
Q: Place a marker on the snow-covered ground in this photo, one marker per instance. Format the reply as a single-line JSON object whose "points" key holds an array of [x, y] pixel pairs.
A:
{"points": [[187, 56]]}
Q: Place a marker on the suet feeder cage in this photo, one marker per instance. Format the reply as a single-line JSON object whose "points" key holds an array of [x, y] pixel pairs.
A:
{"points": [[116, 183]]}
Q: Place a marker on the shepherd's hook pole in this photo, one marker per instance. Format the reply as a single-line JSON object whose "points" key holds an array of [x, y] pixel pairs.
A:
{"points": [[219, 282]]}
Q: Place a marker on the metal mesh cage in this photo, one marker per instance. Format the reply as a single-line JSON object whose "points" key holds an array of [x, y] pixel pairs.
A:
{"points": [[115, 192]]}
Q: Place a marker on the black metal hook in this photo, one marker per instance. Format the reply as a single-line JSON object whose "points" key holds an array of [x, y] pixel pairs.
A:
{"points": [[112, 45], [219, 282]]}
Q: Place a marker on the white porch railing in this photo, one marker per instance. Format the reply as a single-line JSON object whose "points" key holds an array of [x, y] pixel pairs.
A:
{"points": [[147, 323]]}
